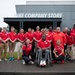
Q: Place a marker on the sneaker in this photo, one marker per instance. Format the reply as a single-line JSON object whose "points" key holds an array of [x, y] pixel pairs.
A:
{"points": [[44, 63], [0, 60], [71, 61], [31, 62], [12, 59], [5, 59], [62, 62], [41, 63], [23, 62]]}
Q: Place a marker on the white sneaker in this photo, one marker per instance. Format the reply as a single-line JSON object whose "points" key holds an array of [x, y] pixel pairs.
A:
{"points": [[0, 59], [41, 63], [44, 63], [5, 59], [31, 62], [23, 62]]}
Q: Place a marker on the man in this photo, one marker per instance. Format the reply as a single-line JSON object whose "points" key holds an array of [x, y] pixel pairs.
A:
{"points": [[12, 42], [20, 38], [50, 32], [0, 46], [37, 36], [43, 46], [73, 32], [59, 36], [29, 35], [4, 40], [73, 29], [70, 47]]}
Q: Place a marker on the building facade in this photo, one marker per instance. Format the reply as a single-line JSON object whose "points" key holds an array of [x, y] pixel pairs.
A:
{"points": [[44, 15]]}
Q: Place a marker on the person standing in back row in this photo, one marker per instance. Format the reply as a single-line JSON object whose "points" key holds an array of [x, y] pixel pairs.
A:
{"points": [[4, 42], [37, 36], [59, 36], [21, 39], [12, 42]]}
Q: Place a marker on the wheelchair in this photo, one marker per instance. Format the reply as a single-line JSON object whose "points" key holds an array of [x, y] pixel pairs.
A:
{"points": [[49, 59]]}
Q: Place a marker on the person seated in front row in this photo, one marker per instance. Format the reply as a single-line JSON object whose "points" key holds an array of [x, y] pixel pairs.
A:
{"points": [[58, 52], [43, 46], [27, 52]]}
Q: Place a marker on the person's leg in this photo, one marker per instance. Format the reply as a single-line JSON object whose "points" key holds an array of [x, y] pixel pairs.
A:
{"points": [[5, 50], [33, 56], [0, 52], [68, 52], [40, 54], [19, 47], [10, 50], [13, 47], [46, 54], [60, 58], [26, 59]]}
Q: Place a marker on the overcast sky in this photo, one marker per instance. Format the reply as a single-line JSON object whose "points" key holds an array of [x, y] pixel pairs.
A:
{"points": [[7, 8]]}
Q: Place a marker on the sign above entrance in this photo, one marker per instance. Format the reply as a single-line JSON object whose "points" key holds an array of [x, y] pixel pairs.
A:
{"points": [[39, 15]]}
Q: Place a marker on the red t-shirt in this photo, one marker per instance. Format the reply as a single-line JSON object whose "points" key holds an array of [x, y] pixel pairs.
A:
{"points": [[73, 34], [20, 37], [4, 36], [49, 37], [44, 44], [70, 39], [29, 35], [50, 33], [73, 30], [59, 36], [37, 35], [12, 36], [27, 49], [59, 49]]}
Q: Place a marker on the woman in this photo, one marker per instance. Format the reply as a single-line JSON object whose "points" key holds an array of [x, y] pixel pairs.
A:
{"points": [[27, 52]]}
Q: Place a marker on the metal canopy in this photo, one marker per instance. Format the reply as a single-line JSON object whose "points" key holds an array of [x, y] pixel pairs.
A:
{"points": [[7, 20]]}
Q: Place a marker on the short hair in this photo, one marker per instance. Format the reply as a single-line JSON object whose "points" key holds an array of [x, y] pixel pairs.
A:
{"points": [[4, 28], [0, 29]]}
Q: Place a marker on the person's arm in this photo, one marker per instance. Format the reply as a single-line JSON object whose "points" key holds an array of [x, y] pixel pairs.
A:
{"points": [[61, 52], [54, 51]]}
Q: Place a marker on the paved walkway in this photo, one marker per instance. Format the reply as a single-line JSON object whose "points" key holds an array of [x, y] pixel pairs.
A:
{"points": [[17, 66]]}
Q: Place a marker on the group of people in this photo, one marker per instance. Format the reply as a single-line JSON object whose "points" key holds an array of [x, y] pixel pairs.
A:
{"points": [[61, 44]]}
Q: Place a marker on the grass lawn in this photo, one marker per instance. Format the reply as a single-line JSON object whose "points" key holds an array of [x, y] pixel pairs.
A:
{"points": [[15, 55]]}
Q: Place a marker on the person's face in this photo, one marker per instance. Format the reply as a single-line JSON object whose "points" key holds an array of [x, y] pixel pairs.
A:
{"points": [[12, 29], [22, 31], [50, 29], [29, 30], [4, 29], [32, 30], [38, 28], [58, 29]]}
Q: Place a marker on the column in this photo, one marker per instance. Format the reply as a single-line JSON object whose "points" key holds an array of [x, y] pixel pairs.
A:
{"points": [[54, 24]]}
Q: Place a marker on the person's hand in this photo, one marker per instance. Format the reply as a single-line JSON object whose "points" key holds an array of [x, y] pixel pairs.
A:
{"points": [[56, 56], [43, 48], [30, 57]]}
